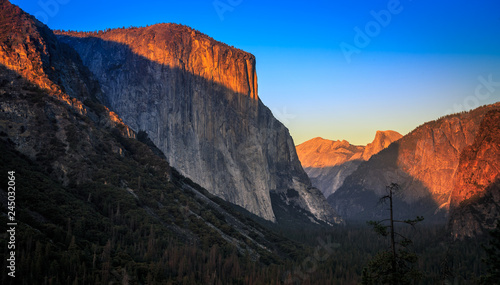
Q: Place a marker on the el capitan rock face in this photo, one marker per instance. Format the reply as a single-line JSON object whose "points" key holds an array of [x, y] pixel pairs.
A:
{"points": [[475, 199], [197, 100], [423, 162], [328, 163]]}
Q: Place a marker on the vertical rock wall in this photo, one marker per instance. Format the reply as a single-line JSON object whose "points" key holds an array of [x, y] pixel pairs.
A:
{"points": [[197, 100]]}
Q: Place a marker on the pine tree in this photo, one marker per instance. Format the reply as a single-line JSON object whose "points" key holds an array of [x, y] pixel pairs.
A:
{"points": [[394, 266]]}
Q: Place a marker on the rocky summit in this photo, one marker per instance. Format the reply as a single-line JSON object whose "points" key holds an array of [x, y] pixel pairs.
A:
{"points": [[328, 163], [197, 100]]}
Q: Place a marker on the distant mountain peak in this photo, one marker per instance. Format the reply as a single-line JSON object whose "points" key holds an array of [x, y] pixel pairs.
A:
{"points": [[387, 133], [319, 152], [382, 140], [328, 162]]}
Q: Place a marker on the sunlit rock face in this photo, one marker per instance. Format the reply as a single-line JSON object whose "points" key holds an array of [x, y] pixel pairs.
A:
{"points": [[36, 67], [424, 162], [29, 48], [197, 100], [475, 199], [328, 163]]}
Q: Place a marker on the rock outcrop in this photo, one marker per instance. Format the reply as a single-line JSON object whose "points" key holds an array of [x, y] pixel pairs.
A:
{"points": [[197, 100], [32, 52], [328, 163], [423, 162], [475, 199], [31, 49]]}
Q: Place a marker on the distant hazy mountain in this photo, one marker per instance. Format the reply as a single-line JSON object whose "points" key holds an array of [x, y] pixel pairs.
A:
{"points": [[424, 162], [328, 163]]}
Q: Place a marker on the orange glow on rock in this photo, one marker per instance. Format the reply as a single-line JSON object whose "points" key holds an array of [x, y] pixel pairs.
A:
{"points": [[181, 47]]}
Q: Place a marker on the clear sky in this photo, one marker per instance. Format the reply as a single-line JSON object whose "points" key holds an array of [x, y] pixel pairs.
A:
{"points": [[338, 69]]}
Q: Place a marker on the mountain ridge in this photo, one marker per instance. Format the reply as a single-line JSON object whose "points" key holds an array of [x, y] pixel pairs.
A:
{"points": [[30, 48], [423, 162]]}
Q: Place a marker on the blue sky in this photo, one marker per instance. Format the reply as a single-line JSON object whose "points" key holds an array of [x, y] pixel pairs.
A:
{"points": [[420, 60]]}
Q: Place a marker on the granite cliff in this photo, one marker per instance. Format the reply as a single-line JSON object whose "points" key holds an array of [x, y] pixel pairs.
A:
{"points": [[197, 100], [475, 198], [423, 162], [328, 163]]}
